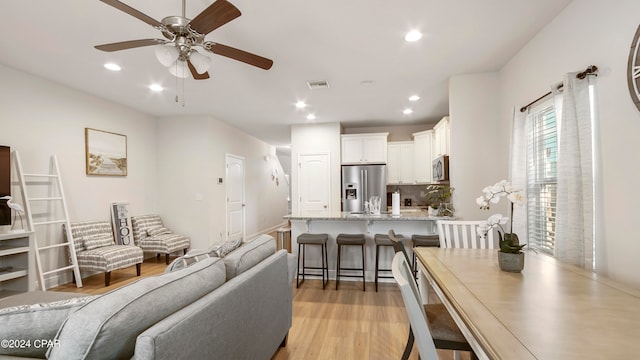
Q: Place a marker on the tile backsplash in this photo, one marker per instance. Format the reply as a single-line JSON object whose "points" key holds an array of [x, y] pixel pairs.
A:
{"points": [[414, 192]]}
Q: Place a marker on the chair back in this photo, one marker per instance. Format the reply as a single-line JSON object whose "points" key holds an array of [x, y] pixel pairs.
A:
{"points": [[82, 229], [141, 223], [464, 234], [415, 311], [398, 246]]}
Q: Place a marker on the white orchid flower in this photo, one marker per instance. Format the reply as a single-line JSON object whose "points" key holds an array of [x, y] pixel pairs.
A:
{"points": [[516, 198], [484, 228], [495, 219]]}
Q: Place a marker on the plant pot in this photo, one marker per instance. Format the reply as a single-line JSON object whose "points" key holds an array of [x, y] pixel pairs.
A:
{"points": [[433, 211], [511, 262]]}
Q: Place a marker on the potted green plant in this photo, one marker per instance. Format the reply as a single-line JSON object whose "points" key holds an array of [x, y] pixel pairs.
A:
{"points": [[437, 197], [510, 255]]}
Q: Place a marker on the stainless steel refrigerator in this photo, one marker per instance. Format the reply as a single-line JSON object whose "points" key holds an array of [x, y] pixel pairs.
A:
{"points": [[360, 183]]}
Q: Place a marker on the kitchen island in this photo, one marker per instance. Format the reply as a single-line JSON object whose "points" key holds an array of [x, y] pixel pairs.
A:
{"points": [[407, 224]]}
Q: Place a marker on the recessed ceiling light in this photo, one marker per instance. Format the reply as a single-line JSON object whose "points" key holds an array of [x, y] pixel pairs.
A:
{"points": [[407, 111], [311, 117], [112, 67], [367, 82], [301, 104], [413, 35], [414, 98], [156, 87]]}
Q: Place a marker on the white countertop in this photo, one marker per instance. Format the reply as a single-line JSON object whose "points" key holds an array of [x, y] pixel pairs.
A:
{"points": [[404, 216]]}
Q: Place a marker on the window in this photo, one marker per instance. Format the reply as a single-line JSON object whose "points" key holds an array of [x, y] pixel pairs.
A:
{"points": [[542, 152]]}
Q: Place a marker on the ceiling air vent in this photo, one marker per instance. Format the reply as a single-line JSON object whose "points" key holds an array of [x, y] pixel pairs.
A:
{"points": [[321, 84]]}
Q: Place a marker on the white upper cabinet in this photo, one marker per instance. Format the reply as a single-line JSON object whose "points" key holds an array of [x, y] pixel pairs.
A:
{"points": [[441, 137], [400, 160], [423, 156], [364, 148]]}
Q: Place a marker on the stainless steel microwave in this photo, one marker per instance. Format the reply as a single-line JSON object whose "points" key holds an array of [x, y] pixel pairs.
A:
{"points": [[441, 168]]}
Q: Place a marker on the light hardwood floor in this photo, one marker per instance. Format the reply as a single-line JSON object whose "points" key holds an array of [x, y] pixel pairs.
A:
{"points": [[327, 324]]}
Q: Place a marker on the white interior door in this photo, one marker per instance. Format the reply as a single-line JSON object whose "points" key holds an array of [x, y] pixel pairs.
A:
{"points": [[314, 184], [235, 197]]}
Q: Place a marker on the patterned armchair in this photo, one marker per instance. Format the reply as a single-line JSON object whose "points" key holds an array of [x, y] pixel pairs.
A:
{"points": [[97, 251], [152, 236]]}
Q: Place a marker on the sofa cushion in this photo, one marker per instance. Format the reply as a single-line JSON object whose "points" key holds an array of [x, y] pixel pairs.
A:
{"points": [[248, 255], [35, 325], [95, 241], [107, 327]]}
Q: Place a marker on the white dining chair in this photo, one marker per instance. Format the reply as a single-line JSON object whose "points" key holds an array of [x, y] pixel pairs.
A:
{"points": [[464, 234], [431, 325], [417, 317]]}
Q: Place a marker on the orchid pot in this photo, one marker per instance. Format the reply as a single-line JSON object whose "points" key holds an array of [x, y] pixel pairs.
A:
{"points": [[510, 255]]}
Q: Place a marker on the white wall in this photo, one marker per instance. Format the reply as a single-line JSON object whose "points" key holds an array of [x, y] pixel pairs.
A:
{"points": [[315, 139], [600, 33], [39, 118], [479, 142], [169, 160], [198, 147]]}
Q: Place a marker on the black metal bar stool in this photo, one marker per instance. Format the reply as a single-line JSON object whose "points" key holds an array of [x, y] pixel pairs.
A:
{"points": [[350, 240], [422, 240], [313, 239], [383, 240]]}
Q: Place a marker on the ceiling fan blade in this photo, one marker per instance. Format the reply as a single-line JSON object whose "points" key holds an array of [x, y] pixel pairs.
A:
{"points": [[133, 12], [241, 55], [216, 15], [129, 44], [195, 74]]}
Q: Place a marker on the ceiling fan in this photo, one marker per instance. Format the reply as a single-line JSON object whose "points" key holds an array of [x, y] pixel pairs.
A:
{"points": [[182, 35]]}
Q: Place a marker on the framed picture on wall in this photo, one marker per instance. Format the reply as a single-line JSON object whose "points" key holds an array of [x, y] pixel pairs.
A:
{"points": [[106, 153]]}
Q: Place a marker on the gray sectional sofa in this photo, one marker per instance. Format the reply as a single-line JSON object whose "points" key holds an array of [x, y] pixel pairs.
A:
{"points": [[236, 307]]}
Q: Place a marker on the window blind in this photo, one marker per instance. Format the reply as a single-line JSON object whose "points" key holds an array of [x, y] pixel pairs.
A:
{"points": [[542, 155]]}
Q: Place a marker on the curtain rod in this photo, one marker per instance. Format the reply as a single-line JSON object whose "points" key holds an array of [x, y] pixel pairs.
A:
{"points": [[591, 70]]}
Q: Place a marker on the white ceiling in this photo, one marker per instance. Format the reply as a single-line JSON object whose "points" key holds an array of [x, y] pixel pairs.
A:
{"points": [[342, 41]]}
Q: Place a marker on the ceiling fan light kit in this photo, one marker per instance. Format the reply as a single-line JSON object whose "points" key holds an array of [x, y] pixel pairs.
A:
{"points": [[182, 35], [167, 54], [200, 62], [179, 69]]}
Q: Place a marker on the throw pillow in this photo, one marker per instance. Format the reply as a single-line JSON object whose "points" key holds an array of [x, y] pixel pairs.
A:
{"points": [[35, 325], [97, 240], [228, 246], [158, 230], [189, 259]]}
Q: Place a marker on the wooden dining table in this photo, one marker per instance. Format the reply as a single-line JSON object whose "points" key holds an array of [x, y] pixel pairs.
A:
{"points": [[550, 310]]}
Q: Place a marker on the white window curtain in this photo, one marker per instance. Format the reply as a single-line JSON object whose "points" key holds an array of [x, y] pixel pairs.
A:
{"points": [[575, 199], [574, 228], [518, 172]]}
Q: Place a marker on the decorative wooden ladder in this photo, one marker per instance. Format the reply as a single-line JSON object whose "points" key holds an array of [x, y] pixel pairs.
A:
{"points": [[55, 195]]}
